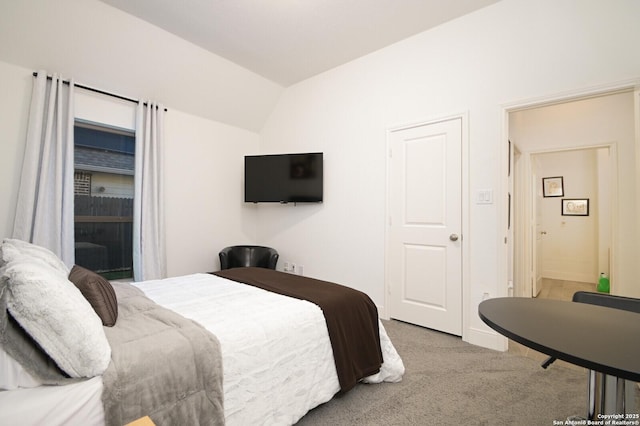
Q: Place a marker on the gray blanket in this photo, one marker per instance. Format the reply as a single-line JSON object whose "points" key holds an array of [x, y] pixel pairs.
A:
{"points": [[162, 365]]}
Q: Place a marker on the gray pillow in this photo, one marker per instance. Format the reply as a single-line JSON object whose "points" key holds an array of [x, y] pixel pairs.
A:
{"points": [[17, 343]]}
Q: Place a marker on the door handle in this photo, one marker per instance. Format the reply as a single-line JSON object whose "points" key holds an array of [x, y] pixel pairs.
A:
{"points": [[453, 237]]}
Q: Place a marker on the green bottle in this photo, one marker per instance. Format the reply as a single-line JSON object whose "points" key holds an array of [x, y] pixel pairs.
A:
{"points": [[603, 283]]}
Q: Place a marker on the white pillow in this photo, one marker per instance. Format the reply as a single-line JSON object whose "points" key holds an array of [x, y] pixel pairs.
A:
{"points": [[56, 315], [14, 249]]}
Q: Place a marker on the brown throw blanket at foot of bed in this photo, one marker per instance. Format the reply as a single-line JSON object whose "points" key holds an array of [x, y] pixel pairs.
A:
{"points": [[351, 316]]}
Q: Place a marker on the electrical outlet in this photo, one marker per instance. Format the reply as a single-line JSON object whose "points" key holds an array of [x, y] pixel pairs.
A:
{"points": [[294, 269], [286, 266]]}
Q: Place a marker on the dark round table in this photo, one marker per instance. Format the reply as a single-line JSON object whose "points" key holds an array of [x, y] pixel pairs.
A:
{"points": [[597, 338]]}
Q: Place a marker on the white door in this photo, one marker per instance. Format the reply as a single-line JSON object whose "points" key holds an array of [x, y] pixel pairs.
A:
{"points": [[424, 245]]}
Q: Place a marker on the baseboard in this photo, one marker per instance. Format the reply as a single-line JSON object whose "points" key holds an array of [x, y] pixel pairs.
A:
{"points": [[382, 313], [486, 338]]}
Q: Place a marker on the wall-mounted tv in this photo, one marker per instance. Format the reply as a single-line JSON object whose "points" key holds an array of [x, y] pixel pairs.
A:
{"points": [[283, 178]]}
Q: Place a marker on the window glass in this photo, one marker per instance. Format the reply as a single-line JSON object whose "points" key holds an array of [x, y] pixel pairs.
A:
{"points": [[103, 199]]}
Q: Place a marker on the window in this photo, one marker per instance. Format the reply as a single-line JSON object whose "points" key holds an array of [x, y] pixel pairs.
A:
{"points": [[103, 199]]}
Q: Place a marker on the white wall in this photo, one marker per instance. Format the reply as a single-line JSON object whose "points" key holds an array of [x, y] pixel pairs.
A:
{"points": [[510, 51], [204, 191], [570, 244], [203, 171], [15, 94]]}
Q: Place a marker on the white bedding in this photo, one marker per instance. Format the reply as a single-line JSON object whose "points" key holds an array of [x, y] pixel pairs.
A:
{"points": [[272, 375], [77, 404]]}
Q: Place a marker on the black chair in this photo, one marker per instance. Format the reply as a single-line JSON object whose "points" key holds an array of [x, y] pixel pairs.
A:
{"points": [[610, 301], [597, 381], [243, 256]]}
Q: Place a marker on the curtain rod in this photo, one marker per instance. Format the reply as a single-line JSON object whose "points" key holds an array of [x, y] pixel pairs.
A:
{"points": [[102, 92]]}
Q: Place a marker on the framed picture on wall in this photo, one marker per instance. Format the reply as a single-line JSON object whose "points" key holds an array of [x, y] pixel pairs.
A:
{"points": [[553, 186], [575, 207]]}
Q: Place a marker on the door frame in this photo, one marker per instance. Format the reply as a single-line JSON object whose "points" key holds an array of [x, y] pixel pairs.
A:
{"points": [[464, 117], [525, 173]]}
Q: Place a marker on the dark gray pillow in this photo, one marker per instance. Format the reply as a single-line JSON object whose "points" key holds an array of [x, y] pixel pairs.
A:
{"points": [[98, 292], [21, 347]]}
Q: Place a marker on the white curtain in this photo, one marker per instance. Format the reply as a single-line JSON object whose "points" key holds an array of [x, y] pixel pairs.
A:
{"points": [[44, 212], [148, 212]]}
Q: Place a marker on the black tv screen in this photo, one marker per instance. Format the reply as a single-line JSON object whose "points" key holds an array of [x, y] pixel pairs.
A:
{"points": [[283, 178]]}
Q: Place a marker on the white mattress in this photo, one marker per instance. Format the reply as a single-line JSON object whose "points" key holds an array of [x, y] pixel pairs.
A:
{"points": [[78, 404], [273, 372]]}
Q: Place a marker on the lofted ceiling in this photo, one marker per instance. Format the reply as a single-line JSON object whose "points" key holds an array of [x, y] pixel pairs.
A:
{"points": [[287, 41]]}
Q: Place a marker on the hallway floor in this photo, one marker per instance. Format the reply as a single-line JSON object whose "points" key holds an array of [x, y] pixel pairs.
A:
{"points": [[562, 290]]}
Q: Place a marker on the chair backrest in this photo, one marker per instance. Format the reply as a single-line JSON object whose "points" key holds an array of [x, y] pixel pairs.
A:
{"points": [[247, 255], [610, 301]]}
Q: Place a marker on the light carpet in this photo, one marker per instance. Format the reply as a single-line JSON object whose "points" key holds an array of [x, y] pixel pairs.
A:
{"points": [[450, 382]]}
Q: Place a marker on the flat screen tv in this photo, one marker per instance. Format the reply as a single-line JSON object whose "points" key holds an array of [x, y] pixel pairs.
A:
{"points": [[283, 178]]}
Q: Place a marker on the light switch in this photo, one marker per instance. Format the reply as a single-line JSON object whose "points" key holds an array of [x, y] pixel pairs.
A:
{"points": [[485, 196]]}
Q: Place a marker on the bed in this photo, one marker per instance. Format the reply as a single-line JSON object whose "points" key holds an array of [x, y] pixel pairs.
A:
{"points": [[196, 349]]}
